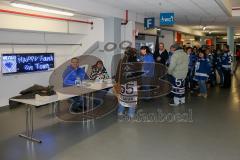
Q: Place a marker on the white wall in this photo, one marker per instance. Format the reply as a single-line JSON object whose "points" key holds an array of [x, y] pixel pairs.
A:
{"points": [[10, 85], [128, 32], [168, 39]]}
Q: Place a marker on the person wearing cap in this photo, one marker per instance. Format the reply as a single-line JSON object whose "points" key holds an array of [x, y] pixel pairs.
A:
{"points": [[178, 70]]}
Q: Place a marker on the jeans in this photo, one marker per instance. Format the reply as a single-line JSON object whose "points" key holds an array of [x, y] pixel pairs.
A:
{"points": [[131, 110], [202, 86], [220, 72]]}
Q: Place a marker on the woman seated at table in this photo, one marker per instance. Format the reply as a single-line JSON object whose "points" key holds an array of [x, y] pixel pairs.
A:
{"points": [[99, 71]]}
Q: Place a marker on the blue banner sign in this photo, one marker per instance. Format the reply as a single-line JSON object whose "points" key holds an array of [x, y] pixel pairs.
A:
{"points": [[167, 19]]}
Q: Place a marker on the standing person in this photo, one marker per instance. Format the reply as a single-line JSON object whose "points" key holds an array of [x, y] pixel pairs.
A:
{"points": [[145, 55], [162, 55], [226, 62], [178, 70], [210, 58], [191, 65], [218, 65], [237, 60], [202, 70], [128, 95], [148, 67]]}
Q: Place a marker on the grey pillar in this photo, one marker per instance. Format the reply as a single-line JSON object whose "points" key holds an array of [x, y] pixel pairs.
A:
{"points": [[112, 33], [230, 38]]}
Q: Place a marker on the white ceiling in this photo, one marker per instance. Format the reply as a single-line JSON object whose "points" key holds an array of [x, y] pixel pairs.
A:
{"points": [[188, 12]]}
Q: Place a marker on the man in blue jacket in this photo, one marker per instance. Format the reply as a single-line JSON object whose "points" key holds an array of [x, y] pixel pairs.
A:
{"points": [[70, 76], [72, 73]]}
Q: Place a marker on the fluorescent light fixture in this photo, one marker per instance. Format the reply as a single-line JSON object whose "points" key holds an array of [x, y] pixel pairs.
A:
{"points": [[192, 39], [40, 9]]}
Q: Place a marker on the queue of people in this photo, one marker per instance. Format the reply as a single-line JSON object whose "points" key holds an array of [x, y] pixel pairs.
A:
{"points": [[189, 70]]}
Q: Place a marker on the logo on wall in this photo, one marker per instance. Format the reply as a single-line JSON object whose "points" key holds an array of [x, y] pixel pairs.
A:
{"points": [[9, 64], [167, 19]]}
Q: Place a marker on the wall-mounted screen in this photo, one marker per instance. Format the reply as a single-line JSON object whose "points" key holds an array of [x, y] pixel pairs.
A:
{"points": [[27, 62]]}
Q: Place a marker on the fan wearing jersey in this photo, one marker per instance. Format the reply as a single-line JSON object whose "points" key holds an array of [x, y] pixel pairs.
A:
{"points": [[202, 70], [226, 63], [128, 95]]}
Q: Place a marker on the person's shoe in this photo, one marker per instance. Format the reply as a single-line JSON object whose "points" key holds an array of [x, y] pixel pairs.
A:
{"points": [[173, 104], [199, 95], [120, 114], [205, 95], [131, 118], [182, 102]]}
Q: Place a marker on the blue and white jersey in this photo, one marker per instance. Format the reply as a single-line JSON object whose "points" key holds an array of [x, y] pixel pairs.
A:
{"points": [[202, 69], [128, 95], [178, 87], [192, 61], [226, 61]]}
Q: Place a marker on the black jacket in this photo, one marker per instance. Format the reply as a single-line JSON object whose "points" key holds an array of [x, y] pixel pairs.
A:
{"points": [[164, 57]]}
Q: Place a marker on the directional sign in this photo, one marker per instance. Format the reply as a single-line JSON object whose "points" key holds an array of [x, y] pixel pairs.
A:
{"points": [[167, 19], [149, 23]]}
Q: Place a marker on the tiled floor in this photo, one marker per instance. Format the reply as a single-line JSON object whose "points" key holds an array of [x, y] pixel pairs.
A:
{"points": [[214, 133]]}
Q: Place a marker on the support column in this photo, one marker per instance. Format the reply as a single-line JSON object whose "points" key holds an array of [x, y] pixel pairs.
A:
{"points": [[230, 38], [112, 33], [128, 32]]}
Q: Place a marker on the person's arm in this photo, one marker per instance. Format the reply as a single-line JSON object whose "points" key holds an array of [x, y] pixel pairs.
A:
{"points": [[173, 64], [208, 65], [156, 55], [93, 74], [164, 57], [68, 79], [117, 75], [86, 77], [105, 74]]}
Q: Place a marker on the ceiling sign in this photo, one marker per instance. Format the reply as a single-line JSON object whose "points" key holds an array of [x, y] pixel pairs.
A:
{"points": [[149, 23], [167, 19]]}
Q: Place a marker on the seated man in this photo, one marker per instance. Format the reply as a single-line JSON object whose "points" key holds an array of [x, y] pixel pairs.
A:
{"points": [[73, 72], [70, 76]]}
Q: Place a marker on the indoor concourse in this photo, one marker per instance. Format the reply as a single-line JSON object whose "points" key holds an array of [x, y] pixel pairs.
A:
{"points": [[213, 134], [120, 80]]}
